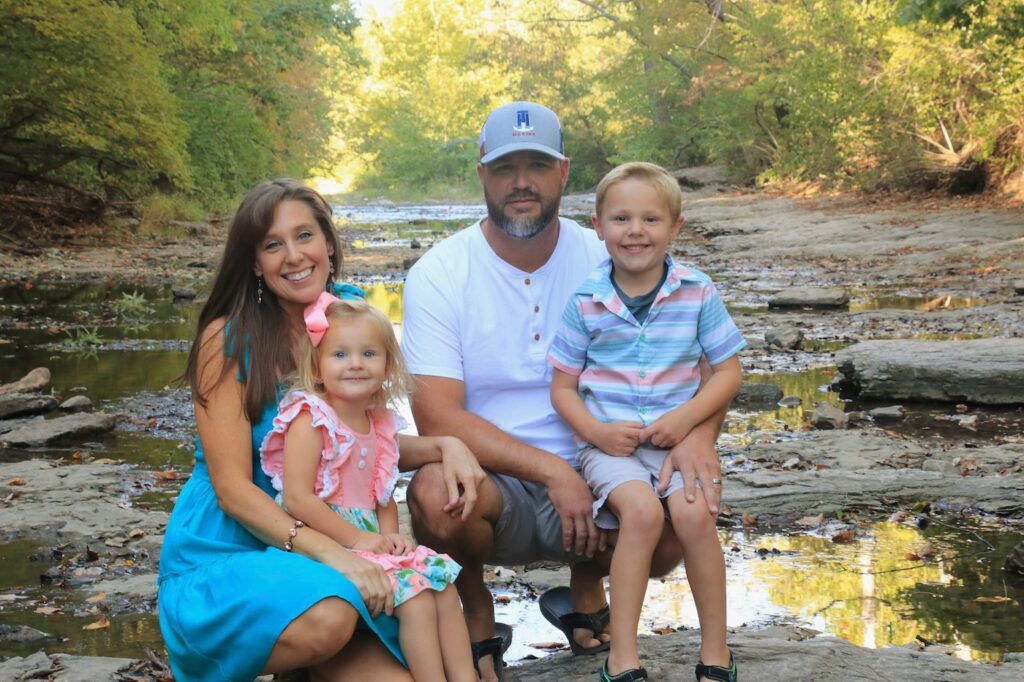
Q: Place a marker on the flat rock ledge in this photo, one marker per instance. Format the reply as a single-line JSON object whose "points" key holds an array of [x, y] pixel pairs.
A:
{"points": [[61, 429], [981, 371], [809, 297], [777, 654], [62, 668]]}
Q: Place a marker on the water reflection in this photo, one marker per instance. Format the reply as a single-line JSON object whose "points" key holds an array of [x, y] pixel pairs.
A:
{"points": [[920, 303], [811, 386]]}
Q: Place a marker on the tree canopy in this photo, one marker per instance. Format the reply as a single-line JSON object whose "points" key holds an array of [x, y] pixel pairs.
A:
{"points": [[105, 101]]}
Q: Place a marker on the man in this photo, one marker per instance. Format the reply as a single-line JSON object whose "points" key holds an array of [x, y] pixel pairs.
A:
{"points": [[480, 311]]}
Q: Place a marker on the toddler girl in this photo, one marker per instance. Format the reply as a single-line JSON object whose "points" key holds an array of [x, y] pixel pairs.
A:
{"points": [[333, 457]]}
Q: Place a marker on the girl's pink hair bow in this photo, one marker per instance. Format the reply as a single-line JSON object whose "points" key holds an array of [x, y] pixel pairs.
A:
{"points": [[315, 316]]}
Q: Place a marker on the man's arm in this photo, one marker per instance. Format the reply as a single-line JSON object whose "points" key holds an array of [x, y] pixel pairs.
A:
{"points": [[438, 406]]}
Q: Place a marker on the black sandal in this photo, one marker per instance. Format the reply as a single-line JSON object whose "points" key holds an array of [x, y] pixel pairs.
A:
{"points": [[556, 607], [631, 675], [717, 672], [495, 647]]}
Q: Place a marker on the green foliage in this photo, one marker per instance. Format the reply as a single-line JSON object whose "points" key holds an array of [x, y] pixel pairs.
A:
{"points": [[132, 306], [84, 339], [109, 100]]}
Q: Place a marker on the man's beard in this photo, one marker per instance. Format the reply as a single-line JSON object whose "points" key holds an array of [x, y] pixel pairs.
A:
{"points": [[521, 228]]}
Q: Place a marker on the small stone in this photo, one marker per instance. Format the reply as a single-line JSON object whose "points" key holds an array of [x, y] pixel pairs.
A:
{"points": [[825, 416], [78, 403], [1018, 287], [791, 401], [183, 293], [891, 413], [787, 337]]}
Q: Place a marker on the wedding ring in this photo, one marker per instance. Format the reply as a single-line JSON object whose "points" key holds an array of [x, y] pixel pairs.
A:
{"points": [[716, 481]]}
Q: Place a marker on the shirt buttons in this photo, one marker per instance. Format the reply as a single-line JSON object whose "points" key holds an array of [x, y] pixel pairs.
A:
{"points": [[643, 410], [642, 374], [361, 464], [363, 452], [536, 308], [526, 281], [536, 337], [643, 337]]}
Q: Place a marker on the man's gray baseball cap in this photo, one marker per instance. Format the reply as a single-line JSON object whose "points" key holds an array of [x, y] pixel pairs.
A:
{"points": [[520, 126]]}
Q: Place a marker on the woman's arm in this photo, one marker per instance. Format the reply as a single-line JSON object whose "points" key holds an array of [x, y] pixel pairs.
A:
{"points": [[226, 437]]}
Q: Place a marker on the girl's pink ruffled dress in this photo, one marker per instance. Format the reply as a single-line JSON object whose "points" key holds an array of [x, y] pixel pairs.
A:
{"points": [[357, 473]]}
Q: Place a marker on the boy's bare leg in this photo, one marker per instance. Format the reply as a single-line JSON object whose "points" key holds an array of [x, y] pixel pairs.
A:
{"points": [[451, 627], [641, 521], [418, 635], [705, 571]]}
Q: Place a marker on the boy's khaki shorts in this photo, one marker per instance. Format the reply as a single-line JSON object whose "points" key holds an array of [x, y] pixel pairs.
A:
{"points": [[604, 473]]}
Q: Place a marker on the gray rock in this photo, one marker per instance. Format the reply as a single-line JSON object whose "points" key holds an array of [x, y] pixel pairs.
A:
{"points": [[25, 404], [33, 382], [784, 337], [809, 297], [758, 394], [78, 403], [183, 293], [7, 425], [776, 654], [939, 466], [980, 371], [1018, 287], [892, 413], [60, 429], [21, 634], [1015, 562], [62, 668], [791, 401], [825, 416]]}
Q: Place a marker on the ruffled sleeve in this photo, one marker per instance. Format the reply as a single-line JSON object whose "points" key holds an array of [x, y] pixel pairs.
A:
{"points": [[337, 441], [385, 427]]}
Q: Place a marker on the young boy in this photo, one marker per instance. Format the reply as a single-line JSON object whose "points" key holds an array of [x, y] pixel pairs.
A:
{"points": [[626, 374]]}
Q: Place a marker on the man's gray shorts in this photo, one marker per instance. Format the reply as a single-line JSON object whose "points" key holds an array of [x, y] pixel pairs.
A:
{"points": [[529, 528]]}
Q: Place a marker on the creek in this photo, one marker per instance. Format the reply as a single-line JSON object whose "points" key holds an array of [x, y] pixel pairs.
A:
{"points": [[125, 346]]}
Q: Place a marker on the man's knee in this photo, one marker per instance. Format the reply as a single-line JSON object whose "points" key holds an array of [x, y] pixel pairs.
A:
{"points": [[426, 497]]}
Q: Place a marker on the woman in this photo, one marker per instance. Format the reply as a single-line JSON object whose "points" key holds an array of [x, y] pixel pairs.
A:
{"points": [[244, 588]]}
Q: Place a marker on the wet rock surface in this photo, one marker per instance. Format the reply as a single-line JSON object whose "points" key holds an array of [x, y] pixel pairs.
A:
{"points": [[59, 430], [982, 371], [756, 247]]}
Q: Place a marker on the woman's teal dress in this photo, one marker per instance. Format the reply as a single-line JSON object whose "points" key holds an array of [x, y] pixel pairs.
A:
{"points": [[225, 597]]}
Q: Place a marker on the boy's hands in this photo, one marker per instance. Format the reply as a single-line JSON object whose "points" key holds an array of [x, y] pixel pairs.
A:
{"points": [[669, 429], [400, 544], [616, 438]]}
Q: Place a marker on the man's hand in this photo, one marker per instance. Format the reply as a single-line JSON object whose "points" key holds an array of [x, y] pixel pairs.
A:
{"points": [[462, 476], [696, 460], [669, 429], [616, 438], [574, 503]]}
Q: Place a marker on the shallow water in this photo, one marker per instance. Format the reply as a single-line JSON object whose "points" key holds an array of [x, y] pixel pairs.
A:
{"points": [[867, 592]]}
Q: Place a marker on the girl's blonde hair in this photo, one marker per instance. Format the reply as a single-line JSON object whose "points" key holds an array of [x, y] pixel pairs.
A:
{"points": [[397, 382]]}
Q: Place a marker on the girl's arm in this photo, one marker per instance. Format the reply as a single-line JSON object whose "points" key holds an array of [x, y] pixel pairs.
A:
{"points": [[387, 517], [614, 438], [303, 444], [226, 437], [713, 397]]}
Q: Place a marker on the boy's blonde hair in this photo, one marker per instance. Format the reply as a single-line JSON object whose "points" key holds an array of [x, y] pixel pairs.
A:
{"points": [[397, 382], [660, 179]]}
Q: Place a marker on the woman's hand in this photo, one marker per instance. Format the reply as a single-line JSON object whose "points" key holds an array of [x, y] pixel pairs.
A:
{"points": [[462, 476], [400, 544], [370, 579]]}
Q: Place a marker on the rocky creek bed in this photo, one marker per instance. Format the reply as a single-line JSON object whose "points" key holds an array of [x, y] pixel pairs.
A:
{"points": [[927, 438]]}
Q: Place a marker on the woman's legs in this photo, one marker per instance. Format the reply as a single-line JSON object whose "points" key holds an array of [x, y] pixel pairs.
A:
{"points": [[641, 519], [451, 628], [705, 571], [316, 636], [364, 658], [418, 635]]}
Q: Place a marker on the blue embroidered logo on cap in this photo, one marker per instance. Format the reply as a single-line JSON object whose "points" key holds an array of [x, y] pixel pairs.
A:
{"points": [[522, 121]]}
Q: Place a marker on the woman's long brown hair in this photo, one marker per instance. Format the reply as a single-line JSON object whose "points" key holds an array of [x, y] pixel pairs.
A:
{"points": [[256, 341]]}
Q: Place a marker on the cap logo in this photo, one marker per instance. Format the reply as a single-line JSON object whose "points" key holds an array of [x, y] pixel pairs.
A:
{"points": [[522, 121]]}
